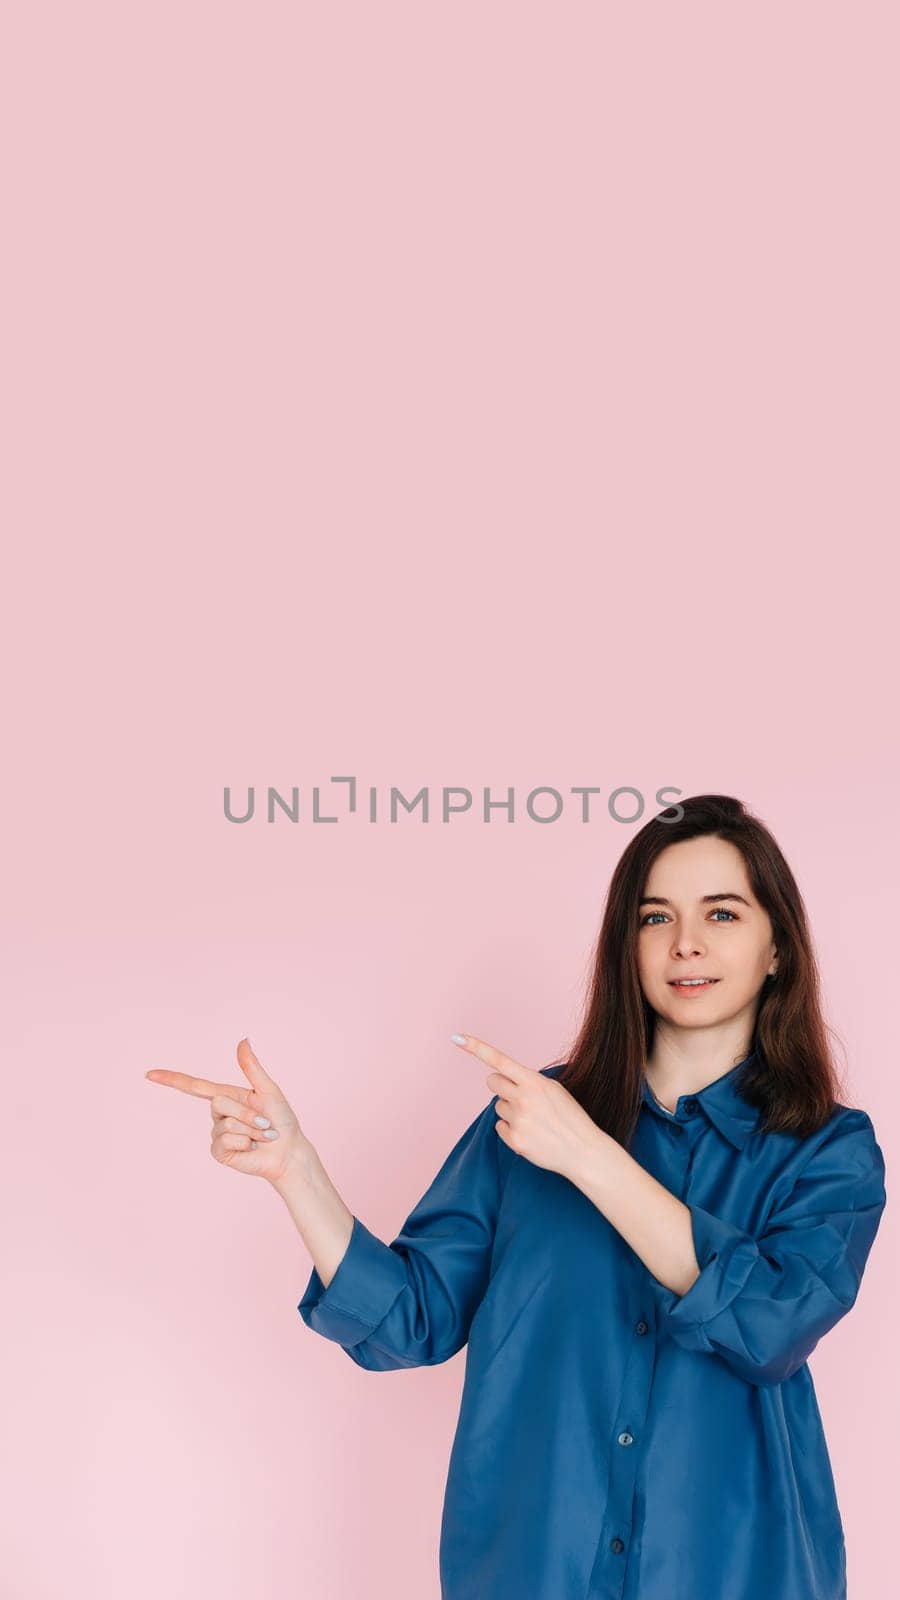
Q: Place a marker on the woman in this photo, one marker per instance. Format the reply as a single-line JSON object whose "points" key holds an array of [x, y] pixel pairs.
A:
{"points": [[640, 1246]]}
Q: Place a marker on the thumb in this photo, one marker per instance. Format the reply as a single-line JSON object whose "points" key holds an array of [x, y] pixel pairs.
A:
{"points": [[253, 1068]]}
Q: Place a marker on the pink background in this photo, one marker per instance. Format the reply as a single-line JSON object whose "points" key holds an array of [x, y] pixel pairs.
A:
{"points": [[484, 395]]}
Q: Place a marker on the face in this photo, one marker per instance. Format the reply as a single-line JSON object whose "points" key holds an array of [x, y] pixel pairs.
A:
{"points": [[701, 919]]}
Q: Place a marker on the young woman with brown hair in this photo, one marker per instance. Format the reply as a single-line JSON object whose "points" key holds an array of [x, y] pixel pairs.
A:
{"points": [[640, 1246]]}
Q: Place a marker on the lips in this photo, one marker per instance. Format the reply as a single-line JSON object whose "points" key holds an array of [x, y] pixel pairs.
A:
{"points": [[692, 983]]}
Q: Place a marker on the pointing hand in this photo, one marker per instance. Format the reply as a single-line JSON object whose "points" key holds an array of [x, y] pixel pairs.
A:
{"points": [[238, 1140], [536, 1116]]}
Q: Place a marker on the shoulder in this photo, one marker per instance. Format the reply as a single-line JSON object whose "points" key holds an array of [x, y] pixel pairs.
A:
{"points": [[849, 1129], [843, 1159]]}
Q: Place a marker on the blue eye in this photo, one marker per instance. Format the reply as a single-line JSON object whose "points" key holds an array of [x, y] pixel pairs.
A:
{"points": [[720, 911]]}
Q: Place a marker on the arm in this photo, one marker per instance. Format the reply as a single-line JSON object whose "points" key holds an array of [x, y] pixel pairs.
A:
{"points": [[409, 1303], [322, 1219], [649, 1216], [761, 1304]]}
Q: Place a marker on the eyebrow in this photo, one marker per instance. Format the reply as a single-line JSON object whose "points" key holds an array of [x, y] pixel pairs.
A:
{"points": [[705, 899]]}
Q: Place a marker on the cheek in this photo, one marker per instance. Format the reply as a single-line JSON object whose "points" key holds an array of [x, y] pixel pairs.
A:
{"points": [[650, 963], [740, 954]]}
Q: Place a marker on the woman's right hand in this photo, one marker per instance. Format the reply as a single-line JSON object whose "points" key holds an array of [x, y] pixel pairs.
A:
{"points": [[237, 1139]]}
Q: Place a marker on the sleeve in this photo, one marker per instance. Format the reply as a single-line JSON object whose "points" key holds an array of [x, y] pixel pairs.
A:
{"points": [[410, 1303], [763, 1303]]}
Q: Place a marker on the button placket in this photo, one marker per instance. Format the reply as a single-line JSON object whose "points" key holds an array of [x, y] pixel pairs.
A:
{"points": [[607, 1580], [610, 1576]]}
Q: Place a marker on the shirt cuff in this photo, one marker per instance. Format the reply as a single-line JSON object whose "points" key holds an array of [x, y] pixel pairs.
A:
{"points": [[368, 1279], [726, 1257]]}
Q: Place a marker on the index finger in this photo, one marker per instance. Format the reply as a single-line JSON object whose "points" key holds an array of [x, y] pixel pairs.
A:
{"points": [[201, 1087], [492, 1057]]}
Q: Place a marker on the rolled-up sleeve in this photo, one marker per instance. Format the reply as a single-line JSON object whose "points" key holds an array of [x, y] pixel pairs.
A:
{"points": [[762, 1303], [410, 1303]]}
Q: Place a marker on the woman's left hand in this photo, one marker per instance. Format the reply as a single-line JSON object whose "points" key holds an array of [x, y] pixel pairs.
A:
{"points": [[536, 1116]]}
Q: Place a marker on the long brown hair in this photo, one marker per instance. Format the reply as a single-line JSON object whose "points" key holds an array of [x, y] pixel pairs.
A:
{"points": [[791, 1075]]}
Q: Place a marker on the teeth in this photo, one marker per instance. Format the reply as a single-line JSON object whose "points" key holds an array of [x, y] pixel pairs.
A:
{"points": [[684, 983]]}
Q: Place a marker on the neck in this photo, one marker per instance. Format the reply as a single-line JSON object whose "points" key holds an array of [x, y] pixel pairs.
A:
{"points": [[673, 1068]]}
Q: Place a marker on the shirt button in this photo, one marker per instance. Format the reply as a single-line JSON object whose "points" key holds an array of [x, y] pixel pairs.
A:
{"points": [[617, 1545], [626, 1438], [690, 1105], [642, 1327]]}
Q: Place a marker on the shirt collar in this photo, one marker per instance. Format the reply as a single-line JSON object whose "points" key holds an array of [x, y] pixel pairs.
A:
{"points": [[722, 1103]]}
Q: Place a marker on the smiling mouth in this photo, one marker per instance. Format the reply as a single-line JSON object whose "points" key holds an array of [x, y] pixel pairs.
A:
{"points": [[692, 983]]}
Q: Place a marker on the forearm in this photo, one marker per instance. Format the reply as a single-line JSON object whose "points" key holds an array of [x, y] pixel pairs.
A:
{"points": [[324, 1222], [649, 1217]]}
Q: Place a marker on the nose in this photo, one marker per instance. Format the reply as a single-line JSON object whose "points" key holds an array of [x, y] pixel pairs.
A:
{"points": [[687, 945]]}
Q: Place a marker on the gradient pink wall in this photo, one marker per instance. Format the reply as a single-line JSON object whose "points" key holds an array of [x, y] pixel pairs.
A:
{"points": [[486, 395]]}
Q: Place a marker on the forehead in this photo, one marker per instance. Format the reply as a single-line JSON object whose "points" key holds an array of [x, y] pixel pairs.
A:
{"points": [[689, 867]]}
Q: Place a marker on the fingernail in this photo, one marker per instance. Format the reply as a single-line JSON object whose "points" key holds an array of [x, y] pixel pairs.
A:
{"points": [[262, 1122], [271, 1133], [458, 1038]]}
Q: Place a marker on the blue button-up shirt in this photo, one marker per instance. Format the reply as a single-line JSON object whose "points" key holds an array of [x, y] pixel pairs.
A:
{"points": [[618, 1441]]}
